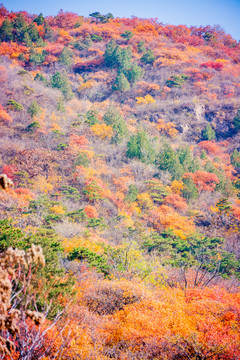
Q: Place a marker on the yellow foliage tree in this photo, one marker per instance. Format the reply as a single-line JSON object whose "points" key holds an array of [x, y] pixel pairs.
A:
{"points": [[102, 130], [148, 99]]}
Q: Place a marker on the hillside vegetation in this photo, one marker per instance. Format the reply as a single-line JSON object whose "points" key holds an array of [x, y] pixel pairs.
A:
{"points": [[121, 137]]}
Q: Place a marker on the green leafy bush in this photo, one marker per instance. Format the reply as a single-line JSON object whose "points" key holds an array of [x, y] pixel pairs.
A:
{"points": [[176, 80], [97, 261]]}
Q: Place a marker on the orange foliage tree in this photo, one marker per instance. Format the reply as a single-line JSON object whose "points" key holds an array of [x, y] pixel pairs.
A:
{"points": [[4, 116]]}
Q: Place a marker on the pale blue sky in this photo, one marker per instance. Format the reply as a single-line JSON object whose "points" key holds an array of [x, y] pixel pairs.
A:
{"points": [[188, 12]]}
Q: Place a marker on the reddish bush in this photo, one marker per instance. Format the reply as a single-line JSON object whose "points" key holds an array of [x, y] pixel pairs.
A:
{"points": [[212, 65], [4, 116], [203, 180], [9, 170], [91, 211], [88, 65], [210, 147]]}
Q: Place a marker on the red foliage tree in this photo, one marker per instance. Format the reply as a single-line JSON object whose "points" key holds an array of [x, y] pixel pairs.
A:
{"points": [[210, 147], [203, 180], [64, 20]]}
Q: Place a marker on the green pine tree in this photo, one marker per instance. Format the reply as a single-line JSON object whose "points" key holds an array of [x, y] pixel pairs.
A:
{"points": [[121, 83], [208, 133], [39, 20], [60, 81], [139, 146], [6, 31], [112, 117]]}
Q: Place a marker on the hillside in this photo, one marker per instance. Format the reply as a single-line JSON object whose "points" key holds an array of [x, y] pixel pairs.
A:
{"points": [[121, 137]]}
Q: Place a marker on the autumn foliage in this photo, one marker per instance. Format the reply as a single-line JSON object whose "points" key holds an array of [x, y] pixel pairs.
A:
{"points": [[121, 137]]}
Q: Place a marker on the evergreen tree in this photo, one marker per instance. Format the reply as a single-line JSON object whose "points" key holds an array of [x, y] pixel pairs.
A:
{"points": [[166, 159], [121, 83], [34, 109], [185, 156], [135, 73], [33, 33], [49, 33], [139, 146], [116, 57], [66, 57], [148, 57], [27, 40], [96, 38], [109, 54], [236, 121], [20, 27], [6, 31], [127, 35], [37, 58], [88, 41], [60, 81], [190, 190], [112, 117], [124, 58], [98, 17], [132, 193], [92, 116], [176, 80], [41, 77], [208, 133], [235, 158], [188, 162], [39, 20], [177, 170], [141, 47]]}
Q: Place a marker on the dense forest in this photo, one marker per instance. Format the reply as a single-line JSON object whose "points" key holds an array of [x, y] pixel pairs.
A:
{"points": [[120, 189]]}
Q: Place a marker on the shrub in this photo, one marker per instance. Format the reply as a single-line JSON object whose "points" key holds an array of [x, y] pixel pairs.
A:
{"points": [[96, 38], [177, 80], [62, 146], [97, 261], [33, 125], [70, 193], [14, 105], [127, 35], [82, 159], [106, 297]]}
